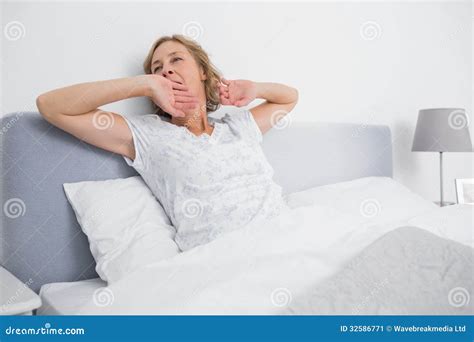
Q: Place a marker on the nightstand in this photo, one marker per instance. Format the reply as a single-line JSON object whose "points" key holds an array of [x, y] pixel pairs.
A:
{"points": [[16, 298]]}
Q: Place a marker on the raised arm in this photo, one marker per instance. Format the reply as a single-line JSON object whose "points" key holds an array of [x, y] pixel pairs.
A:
{"points": [[75, 109], [280, 99]]}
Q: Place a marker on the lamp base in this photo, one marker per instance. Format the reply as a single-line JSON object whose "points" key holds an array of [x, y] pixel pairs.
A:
{"points": [[445, 203]]}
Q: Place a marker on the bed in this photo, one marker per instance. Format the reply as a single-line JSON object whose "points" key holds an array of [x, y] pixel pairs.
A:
{"points": [[291, 266]]}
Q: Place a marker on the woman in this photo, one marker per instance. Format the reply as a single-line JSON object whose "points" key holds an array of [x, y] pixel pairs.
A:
{"points": [[210, 175]]}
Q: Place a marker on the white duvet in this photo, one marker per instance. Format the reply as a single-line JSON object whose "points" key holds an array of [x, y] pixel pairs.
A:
{"points": [[259, 268]]}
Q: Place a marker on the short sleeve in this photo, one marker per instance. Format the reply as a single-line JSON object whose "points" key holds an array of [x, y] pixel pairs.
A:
{"points": [[139, 128], [244, 123]]}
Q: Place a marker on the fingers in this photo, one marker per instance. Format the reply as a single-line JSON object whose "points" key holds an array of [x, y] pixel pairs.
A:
{"points": [[173, 108], [226, 82], [232, 97], [223, 90], [179, 113], [225, 101], [224, 96], [178, 86], [185, 99], [178, 106], [182, 93], [175, 112], [223, 93], [181, 96], [179, 92], [170, 109], [184, 106]]}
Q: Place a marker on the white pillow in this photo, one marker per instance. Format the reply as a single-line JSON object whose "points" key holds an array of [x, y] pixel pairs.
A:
{"points": [[126, 226], [373, 200]]}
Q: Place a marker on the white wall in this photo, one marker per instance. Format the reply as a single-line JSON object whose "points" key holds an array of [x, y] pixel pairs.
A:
{"points": [[420, 57]]}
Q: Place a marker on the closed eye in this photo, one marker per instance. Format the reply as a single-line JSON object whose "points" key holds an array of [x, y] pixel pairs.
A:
{"points": [[172, 61]]}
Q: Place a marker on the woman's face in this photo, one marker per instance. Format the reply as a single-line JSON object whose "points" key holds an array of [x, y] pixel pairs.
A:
{"points": [[172, 60]]}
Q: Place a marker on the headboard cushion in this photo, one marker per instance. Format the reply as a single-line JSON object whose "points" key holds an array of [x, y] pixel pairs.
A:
{"points": [[309, 154], [41, 241]]}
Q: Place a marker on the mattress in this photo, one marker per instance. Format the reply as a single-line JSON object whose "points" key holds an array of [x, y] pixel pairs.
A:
{"points": [[65, 298]]}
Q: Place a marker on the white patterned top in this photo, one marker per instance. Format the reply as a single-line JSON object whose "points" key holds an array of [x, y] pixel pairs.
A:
{"points": [[207, 184]]}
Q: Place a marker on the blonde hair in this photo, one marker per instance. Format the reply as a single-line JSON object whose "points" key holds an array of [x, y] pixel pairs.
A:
{"points": [[202, 59]]}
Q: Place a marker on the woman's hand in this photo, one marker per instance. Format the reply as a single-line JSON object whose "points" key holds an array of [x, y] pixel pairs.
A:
{"points": [[237, 92], [172, 97]]}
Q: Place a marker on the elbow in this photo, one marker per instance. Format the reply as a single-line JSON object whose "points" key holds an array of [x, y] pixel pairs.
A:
{"points": [[41, 104], [292, 95], [295, 94]]}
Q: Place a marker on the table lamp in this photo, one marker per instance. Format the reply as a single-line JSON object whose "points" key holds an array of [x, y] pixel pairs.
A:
{"points": [[442, 130]]}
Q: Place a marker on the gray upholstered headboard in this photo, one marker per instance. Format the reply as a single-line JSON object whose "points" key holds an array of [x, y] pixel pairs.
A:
{"points": [[41, 241]]}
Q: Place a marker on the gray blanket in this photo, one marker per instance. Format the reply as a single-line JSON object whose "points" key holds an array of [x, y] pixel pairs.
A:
{"points": [[408, 271]]}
